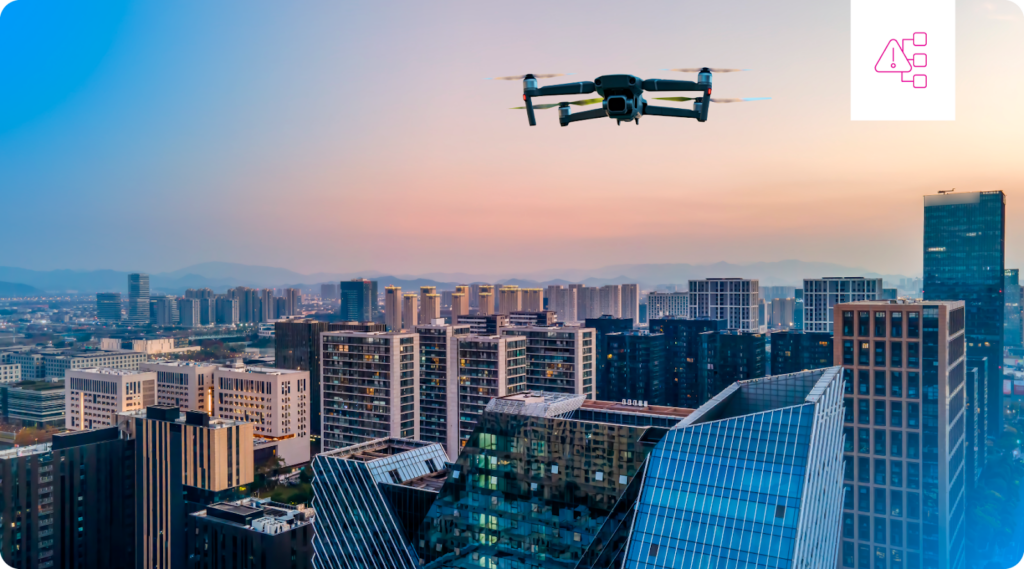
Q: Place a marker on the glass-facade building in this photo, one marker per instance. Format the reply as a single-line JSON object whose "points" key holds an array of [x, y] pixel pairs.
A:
{"points": [[905, 421], [359, 300], [636, 367], [1011, 320], [728, 356], [795, 350], [603, 326], [682, 352], [964, 255], [751, 479]]}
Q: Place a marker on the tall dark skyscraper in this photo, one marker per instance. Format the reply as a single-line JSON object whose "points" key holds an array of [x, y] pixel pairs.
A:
{"points": [[359, 300], [605, 325], [138, 298], [682, 350], [1012, 331], [964, 252], [795, 350], [636, 367], [728, 356]]}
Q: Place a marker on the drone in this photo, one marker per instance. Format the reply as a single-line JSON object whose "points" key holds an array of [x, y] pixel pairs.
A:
{"points": [[621, 96]]}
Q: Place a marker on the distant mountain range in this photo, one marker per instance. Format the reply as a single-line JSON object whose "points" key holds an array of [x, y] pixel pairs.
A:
{"points": [[17, 289], [221, 276]]}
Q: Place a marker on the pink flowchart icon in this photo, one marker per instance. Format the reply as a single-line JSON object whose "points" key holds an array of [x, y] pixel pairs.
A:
{"points": [[894, 60]]}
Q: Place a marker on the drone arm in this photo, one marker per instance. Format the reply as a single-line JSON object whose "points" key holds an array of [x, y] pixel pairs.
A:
{"points": [[674, 85], [671, 112], [582, 116], [565, 89]]}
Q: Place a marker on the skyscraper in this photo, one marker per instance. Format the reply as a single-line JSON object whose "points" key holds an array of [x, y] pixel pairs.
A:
{"points": [[509, 299], [485, 300], [611, 301], [460, 306], [108, 306], [558, 359], [905, 432], [821, 295], [728, 356], [410, 311], [682, 355], [489, 367], [138, 298], [430, 307], [188, 313], [732, 300], [1012, 331], [267, 305], [439, 384], [631, 302], [795, 350], [964, 251], [636, 367], [358, 300], [393, 307], [291, 298], [603, 326], [668, 304]]}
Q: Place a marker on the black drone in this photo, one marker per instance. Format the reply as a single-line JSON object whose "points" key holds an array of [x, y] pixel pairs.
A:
{"points": [[621, 96]]}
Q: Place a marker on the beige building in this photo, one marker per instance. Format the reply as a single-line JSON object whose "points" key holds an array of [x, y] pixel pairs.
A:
{"points": [[486, 300], [588, 302], [430, 307], [611, 301], [410, 312], [531, 300], [10, 373], [94, 397], [393, 307], [509, 299], [185, 385], [631, 302], [460, 306], [275, 401]]}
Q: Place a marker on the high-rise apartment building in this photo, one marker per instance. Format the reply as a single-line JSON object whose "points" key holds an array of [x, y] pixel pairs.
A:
{"points": [[410, 311], [227, 310], [782, 314], [751, 479], [138, 298], [795, 350], [486, 325], [207, 311], [276, 402], [532, 300], [329, 292], [430, 307], [393, 308], [964, 256], [603, 326], [682, 356], [189, 315], [485, 305], [631, 302], [185, 385], [821, 295], [293, 297], [668, 304], [636, 367], [199, 293], [588, 302], [108, 306], [370, 387], [489, 367], [359, 300], [509, 299], [728, 356], [439, 384], [905, 406], [611, 301], [732, 300], [551, 294], [1012, 331], [523, 318], [558, 359], [268, 310], [460, 306], [94, 397]]}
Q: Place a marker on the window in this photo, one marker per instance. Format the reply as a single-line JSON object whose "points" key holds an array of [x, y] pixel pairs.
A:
{"points": [[864, 441], [652, 551], [913, 477], [848, 529], [880, 354], [847, 376], [896, 325], [913, 324], [880, 532], [896, 354], [848, 352], [880, 441], [913, 415], [848, 469], [896, 474], [863, 469], [880, 471], [913, 539], [913, 506], [848, 437], [913, 446], [880, 390], [896, 443], [880, 501], [780, 511], [848, 409], [847, 323], [896, 417], [864, 411], [879, 324], [864, 498], [863, 382], [896, 534], [848, 496], [896, 383], [864, 353], [880, 413], [863, 323], [913, 385], [913, 355], [864, 528]]}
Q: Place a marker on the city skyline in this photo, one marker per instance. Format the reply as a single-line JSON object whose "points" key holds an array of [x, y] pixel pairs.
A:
{"points": [[135, 117]]}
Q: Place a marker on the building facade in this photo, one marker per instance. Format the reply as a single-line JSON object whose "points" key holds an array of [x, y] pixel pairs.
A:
{"points": [[257, 531], [682, 356], [358, 300], [732, 300], [439, 384], [138, 298], [558, 359], [393, 308], [636, 367], [726, 357], [821, 295], [93, 398], [794, 351], [668, 304], [603, 326], [1012, 315], [108, 306], [186, 385], [489, 367], [905, 414]]}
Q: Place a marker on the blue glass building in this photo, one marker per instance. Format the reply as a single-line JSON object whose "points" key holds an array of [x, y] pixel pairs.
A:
{"points": [[795, 350], [751, 479], [964, 254], [605, 325], [682, 352], [728, 356], [1012, 332], [359, 301], [636, 367]]}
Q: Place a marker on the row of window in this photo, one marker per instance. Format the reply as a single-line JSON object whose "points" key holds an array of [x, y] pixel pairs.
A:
{"points": [[895, 417], [894, 329]]}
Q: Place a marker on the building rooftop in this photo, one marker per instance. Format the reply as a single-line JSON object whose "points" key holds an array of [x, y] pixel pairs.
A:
{"points": [[109, 371], [622, 407], [905, 301], [261, 370], [404, 462], [178, 363], [536, 403], [38, 385], [260, 515]]}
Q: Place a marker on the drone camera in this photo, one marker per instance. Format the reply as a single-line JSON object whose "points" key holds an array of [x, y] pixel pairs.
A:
{"points": [[619, 105]]}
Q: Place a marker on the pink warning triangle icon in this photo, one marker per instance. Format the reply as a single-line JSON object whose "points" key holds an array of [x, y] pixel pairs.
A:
{"points": [[893, 60]]}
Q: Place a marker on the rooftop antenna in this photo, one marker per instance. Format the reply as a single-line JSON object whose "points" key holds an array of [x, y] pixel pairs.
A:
{"points": [[947, 191]]}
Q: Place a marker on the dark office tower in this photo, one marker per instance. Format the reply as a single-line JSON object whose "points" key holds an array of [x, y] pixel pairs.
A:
{"points": [[905, 410], [728, 356], [605, 325], [798, 310], [1012, 321], [977, 429], [108, 307], [636, 367], [207, 311], [964, 249], [794, 350], [69, 502], [359, 300], [682, 352], [138, 298]]}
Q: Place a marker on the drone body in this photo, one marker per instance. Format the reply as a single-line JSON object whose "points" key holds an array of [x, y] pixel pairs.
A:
{"points": [[621, 97]]}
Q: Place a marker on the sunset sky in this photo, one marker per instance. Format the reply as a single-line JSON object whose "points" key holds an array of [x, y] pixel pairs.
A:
{"points": [[330, 136]]}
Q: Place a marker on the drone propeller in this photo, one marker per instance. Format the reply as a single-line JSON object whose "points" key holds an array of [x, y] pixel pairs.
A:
{"points": [[711, 69], [582, 103], [536, 75], [682, 99]]}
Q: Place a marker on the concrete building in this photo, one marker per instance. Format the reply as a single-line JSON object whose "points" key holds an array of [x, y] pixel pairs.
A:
{"points": [[292, 298], [370, 387], [682, 355], [489, 367], [611, 301], [138, 298], [726, 357], [430, 307], [541, 318], [636, 367], [604, 326], [10, 373], [558, 359], [268, 310], [783, 317], [732, 300], [189, 313], [439, 384], [485, 299], [33, 403], [278, 535], [188, 386], [821, 296], [330, 292], [667, 305], [631, 301], [393, 308], [510, 299], [108, 306], [485, 325], [57, 363], [588, 302], [275, 401], [249, 303], [164, 311], [460, 306], [1012, 331], [551, 295], [795, 351], [227, 311], [94, 397], [410, 311], [531, 300], [207, 311], [904, 367], [474, 295]]}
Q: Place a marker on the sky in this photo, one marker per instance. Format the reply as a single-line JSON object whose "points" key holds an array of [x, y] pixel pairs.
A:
{"points": [[340, 136]]}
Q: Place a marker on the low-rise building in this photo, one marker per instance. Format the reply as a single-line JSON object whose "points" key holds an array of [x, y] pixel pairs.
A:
{"points": [[94, 397], [10, 373], [275, 534], [33, 403], [182, 384]]}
